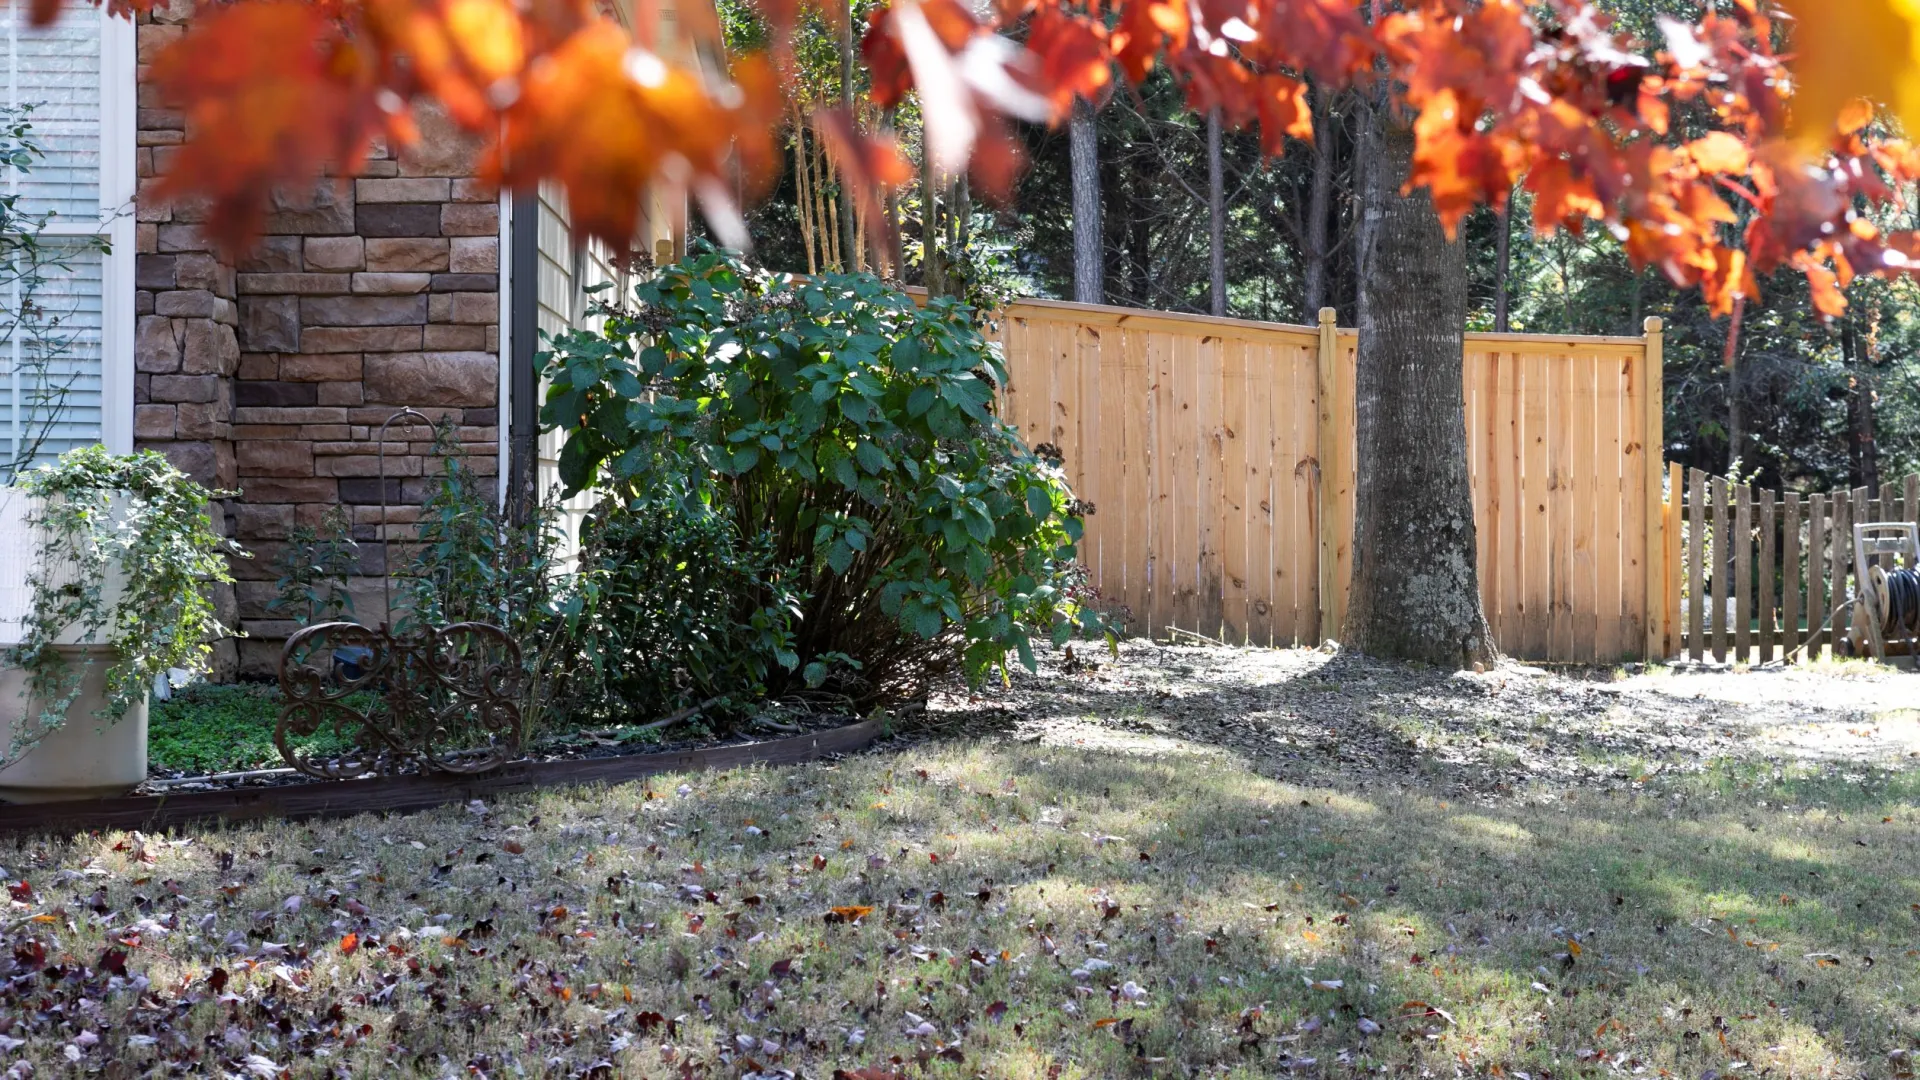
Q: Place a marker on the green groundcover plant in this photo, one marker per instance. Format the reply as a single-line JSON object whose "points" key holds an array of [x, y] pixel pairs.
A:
{"points": [[848, 435]]}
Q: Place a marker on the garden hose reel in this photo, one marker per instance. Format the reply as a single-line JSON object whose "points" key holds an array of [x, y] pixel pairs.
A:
{"points": [[1887, 611]]}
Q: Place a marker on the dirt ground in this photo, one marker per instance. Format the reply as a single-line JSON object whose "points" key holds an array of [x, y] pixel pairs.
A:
{"points": [[1297, 713]]}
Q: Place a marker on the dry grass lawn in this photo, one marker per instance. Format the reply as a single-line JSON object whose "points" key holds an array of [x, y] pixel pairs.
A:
{"points": [[996, 909]]}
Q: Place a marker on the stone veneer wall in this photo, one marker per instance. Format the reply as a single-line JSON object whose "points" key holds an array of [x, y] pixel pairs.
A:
{"points": [[274, 374]]}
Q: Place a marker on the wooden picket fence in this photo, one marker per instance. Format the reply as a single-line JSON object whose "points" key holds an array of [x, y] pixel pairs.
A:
{"points": [[1760, 573], [1219, 456]]}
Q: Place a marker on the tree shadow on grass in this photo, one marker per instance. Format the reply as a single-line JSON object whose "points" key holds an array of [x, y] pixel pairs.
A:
{"points": [[1617, 929], [1303, 715], [960, 907]]}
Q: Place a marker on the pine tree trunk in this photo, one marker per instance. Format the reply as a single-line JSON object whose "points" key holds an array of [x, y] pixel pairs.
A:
{"points": [[1416, 590], [1864, 449], [850, 242], [1319, 208], [932, 267], [1216, 216], [1503, 270], [1089, 286]]}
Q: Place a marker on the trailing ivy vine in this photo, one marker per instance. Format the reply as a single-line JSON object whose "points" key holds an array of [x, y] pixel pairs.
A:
{"points": [[95, 510]]}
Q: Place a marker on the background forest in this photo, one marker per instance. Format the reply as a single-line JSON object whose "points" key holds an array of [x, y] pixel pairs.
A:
{"points": [[1202, 221]]}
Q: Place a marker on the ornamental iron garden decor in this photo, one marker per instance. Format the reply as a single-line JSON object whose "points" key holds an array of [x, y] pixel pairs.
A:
{"points": [[443, 698]]}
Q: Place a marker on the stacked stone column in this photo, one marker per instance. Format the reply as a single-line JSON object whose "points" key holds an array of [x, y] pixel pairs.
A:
{"points": [[274, 374]]}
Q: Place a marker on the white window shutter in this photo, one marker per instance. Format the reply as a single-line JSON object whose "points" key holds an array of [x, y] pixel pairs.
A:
{"points": [[57, 350]]}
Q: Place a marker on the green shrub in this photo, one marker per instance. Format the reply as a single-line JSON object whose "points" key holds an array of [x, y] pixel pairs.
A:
{"points": [[849, 434], [669, 608], [312, 571], [470, 562]]}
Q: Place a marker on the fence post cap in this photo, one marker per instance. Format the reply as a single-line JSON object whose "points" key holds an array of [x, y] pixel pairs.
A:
{"points": [[1653, 324], [1328, 316]]}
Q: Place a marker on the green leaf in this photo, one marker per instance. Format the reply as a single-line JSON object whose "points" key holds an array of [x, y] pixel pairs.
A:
{"points": [[1039, 502], [872, 458]]}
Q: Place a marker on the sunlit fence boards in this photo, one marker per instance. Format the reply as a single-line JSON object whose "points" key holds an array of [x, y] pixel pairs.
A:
{"points": [[1219, 457]]}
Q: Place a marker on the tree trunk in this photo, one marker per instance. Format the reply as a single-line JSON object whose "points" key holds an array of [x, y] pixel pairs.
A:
{"points": [[1319, 207], [1863, 450], [1736, 393], [850, 243], [933, 272], [1416, 589], [1140, 234], [1216, 216], [1088, 284], [1503, 269]]}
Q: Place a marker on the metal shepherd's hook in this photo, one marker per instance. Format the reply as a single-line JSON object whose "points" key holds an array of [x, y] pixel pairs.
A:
{"points": [[411, 414]]}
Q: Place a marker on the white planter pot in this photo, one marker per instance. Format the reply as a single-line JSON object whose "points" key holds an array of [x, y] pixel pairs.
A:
{"points": [[85, 758]]}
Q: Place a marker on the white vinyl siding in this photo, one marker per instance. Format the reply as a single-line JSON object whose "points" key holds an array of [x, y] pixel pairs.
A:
{"points": [[75, 343]]}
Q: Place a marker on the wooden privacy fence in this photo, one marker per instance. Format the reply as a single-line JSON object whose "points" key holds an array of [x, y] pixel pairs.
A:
{"points": [[1760, 573], [1219, 456]]}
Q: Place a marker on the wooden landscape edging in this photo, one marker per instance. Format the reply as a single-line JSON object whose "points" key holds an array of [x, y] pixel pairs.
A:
{"points": [[405, 794]]}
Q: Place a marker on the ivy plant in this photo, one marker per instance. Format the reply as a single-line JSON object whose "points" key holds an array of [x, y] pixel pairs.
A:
{"points": [[93, 510], [854, 430]]}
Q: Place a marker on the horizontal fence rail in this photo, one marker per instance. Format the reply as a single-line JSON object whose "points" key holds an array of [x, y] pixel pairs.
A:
{"points": [[1219, 457]]}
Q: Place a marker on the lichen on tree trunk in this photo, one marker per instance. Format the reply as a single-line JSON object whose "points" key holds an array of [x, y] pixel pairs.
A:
{"points": [[1415, 590]]}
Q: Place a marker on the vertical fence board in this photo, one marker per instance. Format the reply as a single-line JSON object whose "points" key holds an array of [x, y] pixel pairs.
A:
{"points": [[1187, 438], [1299, 469], [1791, 578], [1093, 446], [1817, 521], [1583, 491], [1513, 501], [1017, 352], [1912, 513], [1696, 553], [1646, 394], [1766, 581], [1848, 508], [1674, 616], [1742, 540], [1535, 597], [1617, 496], [1256, 452], [1163, 556], [1889, 510], [1136, 459], [1474, 371], [1233, 494], [1719, 567], [1209, 449], [1560, 505]]}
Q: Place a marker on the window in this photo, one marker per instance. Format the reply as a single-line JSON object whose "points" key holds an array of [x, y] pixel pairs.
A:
{"points": [[66, 360]]}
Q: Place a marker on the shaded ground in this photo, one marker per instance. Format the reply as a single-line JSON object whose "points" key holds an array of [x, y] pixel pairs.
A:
{"points": [[1206, 863]]}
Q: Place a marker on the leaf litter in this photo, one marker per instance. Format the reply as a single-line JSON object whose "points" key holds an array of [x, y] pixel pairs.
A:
{"points": [[1197, 862]]}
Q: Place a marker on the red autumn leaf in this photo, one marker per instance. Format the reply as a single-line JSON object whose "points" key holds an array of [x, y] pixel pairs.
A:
{"points": [[1284, 112], [349, 943]]}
